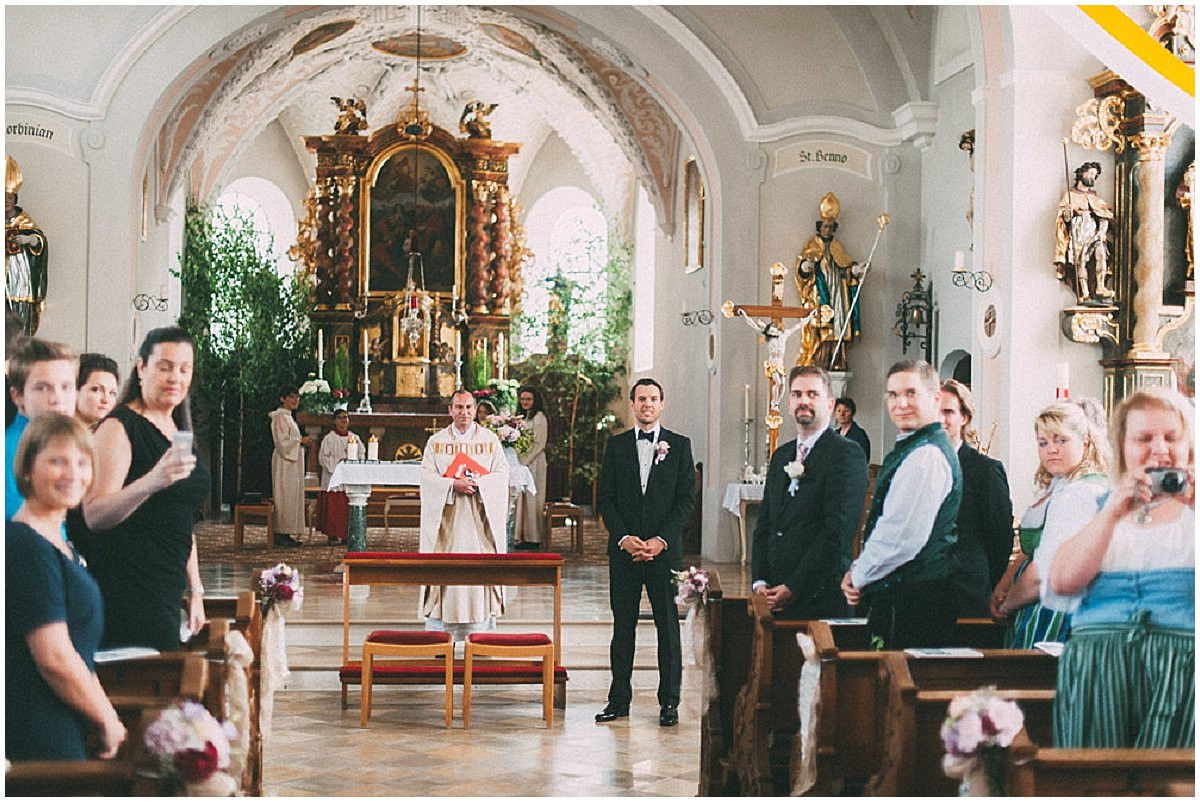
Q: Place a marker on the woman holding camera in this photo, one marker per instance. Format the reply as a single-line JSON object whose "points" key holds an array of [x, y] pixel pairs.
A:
{"points": [[141, 506], [1127, 675]]}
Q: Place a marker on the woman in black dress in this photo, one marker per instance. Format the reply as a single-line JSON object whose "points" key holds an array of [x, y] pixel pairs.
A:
{"points": [[148, 486], [52, 606]]}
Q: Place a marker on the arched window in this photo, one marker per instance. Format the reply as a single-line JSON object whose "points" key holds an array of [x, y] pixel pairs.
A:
{"points": [[565, 293], [266, 205]]}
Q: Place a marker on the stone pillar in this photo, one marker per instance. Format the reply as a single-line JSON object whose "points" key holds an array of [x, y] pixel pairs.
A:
{"points": [[1148, 269]]}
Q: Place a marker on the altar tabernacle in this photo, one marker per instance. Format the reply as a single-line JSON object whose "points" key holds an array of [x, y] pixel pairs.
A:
{"points": [[463, 513]]}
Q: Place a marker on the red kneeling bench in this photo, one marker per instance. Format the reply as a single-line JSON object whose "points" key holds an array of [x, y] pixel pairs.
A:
{"points": [[411, 568]]}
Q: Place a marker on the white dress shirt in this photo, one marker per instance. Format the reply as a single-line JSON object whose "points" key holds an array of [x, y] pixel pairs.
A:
{"points": [[645, 452], [919, 486]]}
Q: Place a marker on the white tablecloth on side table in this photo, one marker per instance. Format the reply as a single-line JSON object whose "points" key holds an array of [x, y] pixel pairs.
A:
{"points": [[738, 496]]}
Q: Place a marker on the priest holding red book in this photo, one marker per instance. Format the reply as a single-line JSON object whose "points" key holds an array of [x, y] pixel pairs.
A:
{"points": [[464, 508]]}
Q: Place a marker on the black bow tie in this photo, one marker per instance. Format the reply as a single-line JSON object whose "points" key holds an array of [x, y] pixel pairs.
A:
{"points": [[646, 435]]}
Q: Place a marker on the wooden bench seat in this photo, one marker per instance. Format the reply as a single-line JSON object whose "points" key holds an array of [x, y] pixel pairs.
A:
{"points": [[414, 568], [1040, 771]]}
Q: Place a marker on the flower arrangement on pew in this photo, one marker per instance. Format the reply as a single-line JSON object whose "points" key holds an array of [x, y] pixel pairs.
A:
{"points": [[977, 732], [691, 585], [514, 431], [192, 750], [280, 586], [691, 589]]}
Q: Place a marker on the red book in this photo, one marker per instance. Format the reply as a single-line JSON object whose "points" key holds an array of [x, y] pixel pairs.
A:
{"points": [[464, 466]]}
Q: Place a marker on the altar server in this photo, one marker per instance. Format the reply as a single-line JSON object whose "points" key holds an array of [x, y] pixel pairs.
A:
{"points": [[464, 501]]}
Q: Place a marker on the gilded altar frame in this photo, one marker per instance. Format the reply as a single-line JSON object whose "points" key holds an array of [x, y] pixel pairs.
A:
{"points": [[371, 266]]}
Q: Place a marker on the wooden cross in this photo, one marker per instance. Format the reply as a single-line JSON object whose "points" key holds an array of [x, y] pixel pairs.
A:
{"points": [[776, 337]]}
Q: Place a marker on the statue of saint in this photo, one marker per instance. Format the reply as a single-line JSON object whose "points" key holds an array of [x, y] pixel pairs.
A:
{"points": [[24, 255], [826, 278], [1081, 239]]}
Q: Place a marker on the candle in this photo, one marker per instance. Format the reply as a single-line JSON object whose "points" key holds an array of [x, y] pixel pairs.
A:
{"points": [[162, 290], [960, 260], [1064, 381], [683, 307], [366, 347], [352, 448], [454, 292], [320, 348], [746, 404], [373, 449]]}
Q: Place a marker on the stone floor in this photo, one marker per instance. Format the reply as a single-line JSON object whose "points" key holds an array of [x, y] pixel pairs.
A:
{"points": [[318, 749]]}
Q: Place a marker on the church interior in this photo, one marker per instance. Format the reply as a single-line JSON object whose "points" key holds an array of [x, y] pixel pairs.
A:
{"points": [[576, 197]]}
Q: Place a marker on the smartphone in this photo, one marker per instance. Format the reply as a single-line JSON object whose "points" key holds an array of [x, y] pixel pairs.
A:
{"points": [[182, 442]]}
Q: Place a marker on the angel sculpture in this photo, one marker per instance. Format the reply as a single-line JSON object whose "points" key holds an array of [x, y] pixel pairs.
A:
{"points": [[352, 115], [474, 120]]}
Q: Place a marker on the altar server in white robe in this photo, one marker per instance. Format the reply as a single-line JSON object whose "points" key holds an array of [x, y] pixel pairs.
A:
{"points": [[466, 515], [287, 468]]}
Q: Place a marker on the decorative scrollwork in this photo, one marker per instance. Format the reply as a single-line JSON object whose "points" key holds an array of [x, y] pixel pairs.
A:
{"points": [[1097, 124], [1089, 326]]}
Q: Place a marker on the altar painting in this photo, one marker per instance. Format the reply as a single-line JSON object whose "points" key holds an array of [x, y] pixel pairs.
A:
{"points": [[415, 205]]}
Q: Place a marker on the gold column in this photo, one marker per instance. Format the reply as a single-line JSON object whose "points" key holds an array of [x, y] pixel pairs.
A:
{"points": [[1148, 270]]}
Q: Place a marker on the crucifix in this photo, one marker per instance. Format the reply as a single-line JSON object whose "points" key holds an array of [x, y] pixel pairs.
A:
{"points": [[776, 336]]}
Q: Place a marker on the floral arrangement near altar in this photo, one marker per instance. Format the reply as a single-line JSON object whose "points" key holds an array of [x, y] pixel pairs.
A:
{"points": [[192, 750], [977, 732], [513, 430], [315, 395], [501, 392], [691, 585], [281, 586]]}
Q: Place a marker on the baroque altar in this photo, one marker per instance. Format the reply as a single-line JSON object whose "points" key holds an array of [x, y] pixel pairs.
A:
{"points": [[410, 235]]}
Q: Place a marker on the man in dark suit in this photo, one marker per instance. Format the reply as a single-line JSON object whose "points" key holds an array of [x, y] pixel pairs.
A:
{"points": [[985, 517], [844, 412], [645, 494], [806, 525]]}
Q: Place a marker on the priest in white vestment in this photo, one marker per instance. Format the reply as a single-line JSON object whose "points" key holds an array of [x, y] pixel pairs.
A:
{"points": [[464, 515]]}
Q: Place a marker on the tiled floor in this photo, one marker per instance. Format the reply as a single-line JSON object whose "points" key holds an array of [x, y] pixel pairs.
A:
{"points": [[318, 749]]}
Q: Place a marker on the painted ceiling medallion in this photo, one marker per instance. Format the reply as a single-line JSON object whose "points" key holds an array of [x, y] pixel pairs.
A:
{"points": [[512, 40], [322, 34], [433, 47]]}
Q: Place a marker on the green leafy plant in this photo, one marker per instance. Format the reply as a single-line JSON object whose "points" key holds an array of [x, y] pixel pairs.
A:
{"points": [[339, 369], [252, 333], [580, 381]]}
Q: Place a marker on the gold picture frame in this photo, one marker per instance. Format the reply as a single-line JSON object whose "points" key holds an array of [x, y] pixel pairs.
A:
{"points": [[693, 217]]}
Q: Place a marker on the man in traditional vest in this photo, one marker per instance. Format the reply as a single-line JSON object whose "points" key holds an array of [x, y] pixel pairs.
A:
{"points": [[906, 569]]}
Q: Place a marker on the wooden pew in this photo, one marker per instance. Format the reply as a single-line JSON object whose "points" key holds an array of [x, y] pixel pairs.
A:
{"points": [[1034, 771], [76, 778], [917, 693], [848, 736], [412, 568], [729, 633]]}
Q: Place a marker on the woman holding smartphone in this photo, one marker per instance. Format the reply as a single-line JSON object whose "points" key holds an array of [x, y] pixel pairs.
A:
{"points": [[140, 509]]}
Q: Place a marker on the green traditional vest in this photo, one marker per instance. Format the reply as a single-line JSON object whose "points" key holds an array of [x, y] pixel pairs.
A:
{"points": [[934, 561]]}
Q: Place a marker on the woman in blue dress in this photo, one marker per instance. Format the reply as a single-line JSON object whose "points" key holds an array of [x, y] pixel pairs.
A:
{"points": [[1127, 675], [52, 606], [1073, 453]]}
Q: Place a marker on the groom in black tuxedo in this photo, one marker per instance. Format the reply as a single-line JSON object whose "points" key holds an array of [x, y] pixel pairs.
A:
{"points": [[806, 524], [646, 491]]}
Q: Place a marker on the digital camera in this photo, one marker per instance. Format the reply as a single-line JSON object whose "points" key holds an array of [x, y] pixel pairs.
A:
{"points": [[1167, 481]]}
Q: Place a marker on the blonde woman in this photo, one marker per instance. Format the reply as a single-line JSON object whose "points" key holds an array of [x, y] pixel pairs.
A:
{"points": [[1127, 675], [53, 612], [1073, 456]]}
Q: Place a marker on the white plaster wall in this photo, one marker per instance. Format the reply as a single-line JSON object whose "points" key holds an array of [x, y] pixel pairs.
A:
{"points": [[553, 166], [271, 156], [1025, 106], [54, 194]]}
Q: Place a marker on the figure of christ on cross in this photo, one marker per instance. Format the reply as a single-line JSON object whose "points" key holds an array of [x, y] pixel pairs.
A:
{"points": [[776, 336]]}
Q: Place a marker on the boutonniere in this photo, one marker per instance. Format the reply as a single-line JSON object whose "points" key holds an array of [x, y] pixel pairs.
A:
{"points": [[661, 448], [794, 470]]}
